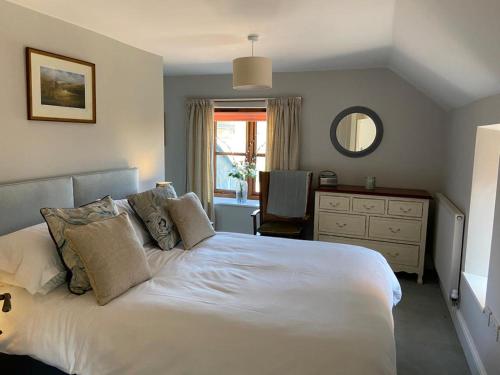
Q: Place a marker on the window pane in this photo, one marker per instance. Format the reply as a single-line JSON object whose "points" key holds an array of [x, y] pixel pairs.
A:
{"points": [[231, 136], [261, 166], [260, 146], [224, 165]]}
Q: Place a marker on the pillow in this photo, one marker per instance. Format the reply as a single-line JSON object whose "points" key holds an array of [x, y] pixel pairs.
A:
{"points": [[34, 286], [28, 260], [112, 255], [151, 206], [61, 219], [140, 230], [190, 219]]}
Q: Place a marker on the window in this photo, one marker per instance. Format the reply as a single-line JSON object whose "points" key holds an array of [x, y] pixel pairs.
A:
{"points": [[240, 135]]}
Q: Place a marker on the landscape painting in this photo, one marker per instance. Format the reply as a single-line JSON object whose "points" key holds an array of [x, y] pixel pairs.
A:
{"points": [[60, 88]]}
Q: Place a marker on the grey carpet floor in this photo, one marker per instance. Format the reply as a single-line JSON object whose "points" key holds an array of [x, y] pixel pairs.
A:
{"points": [[426, 341]]}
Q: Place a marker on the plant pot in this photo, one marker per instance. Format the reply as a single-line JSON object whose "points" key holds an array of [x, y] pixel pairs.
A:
{"points": [[242, 191]]}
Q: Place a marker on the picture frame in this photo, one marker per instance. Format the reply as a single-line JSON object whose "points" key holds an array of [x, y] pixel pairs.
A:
{"points": [[60, 88]]}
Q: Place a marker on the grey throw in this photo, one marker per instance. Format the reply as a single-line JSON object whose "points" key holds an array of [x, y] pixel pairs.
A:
{"points": [[288, 193]]}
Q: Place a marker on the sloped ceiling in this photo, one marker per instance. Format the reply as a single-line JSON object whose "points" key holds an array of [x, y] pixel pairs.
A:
{"points": [[449, 49]]}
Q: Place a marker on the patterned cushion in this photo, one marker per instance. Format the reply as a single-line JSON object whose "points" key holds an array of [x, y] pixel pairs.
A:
{"points": [[151, 206], [60, 219]]}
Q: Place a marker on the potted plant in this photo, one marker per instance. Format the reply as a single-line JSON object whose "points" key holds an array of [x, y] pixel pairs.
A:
{"points": [[242, 171]]}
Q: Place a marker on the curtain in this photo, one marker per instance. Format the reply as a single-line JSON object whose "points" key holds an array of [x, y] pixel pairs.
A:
{"points": [[283, 124], [200, 152]]}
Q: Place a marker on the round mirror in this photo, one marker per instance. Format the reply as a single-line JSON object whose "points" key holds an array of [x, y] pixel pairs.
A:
{"points": [[356, 131]]}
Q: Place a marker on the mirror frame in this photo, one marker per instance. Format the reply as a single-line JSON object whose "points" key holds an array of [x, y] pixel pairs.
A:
{"points": [[378, 136]]}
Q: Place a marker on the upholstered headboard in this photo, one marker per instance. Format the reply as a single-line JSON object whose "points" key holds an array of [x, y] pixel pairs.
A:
{"points": [[20, 202]]}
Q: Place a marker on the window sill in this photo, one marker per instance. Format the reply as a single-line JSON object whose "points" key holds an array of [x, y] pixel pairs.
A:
{"points": [[222, 201], [478, 286]]}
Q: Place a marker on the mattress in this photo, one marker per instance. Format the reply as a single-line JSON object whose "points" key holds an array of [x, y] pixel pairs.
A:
{"points": [[235, 304]]}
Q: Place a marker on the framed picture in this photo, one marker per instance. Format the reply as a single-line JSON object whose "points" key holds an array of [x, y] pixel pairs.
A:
{"points": [[60, 88]]}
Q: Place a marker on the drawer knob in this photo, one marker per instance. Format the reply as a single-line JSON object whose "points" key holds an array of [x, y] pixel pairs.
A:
{"points": [[366, 207], [394, 255], [394, 230], [336, 204], [341, 225], [405, 210]]}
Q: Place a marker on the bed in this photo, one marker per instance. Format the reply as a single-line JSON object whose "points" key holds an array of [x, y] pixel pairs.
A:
{"points": [[236, 304]]}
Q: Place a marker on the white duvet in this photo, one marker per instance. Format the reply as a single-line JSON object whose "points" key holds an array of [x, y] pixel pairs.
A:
{"points": [[235, 304]]}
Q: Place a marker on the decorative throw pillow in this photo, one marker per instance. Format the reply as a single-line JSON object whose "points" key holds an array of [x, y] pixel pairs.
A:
{"points": [[112, 255], [61, 219], [151, 206], [122, 205], [190, 219]]}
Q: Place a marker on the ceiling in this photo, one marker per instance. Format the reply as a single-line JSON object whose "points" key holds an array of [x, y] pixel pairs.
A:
{"points": [[449, 49]]}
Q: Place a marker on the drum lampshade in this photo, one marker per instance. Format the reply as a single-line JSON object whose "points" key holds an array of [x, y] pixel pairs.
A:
{"points": [[252, 73]]}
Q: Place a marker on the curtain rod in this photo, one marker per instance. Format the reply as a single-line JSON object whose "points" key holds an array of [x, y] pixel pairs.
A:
{"points": [[245, 99], [241, 99]]}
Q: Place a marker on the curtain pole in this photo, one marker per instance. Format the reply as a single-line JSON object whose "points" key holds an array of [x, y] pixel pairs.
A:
{"points": [[246, 99]]}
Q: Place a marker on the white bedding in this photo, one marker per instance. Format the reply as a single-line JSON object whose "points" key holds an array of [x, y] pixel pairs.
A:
{"points": [[236, 304]]}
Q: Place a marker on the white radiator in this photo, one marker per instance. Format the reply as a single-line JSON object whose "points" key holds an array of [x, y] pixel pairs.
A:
{"points": [[448, 237]]}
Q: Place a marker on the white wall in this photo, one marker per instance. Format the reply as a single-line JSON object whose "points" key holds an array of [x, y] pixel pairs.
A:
{"points": [[482, 337], [457, 183], [233, 218], [483, 196], [492, 292], [129, 128], [411, 152], [460, 144]]}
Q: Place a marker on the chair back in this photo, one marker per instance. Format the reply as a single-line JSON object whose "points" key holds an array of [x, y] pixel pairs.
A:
{"points": [[264, 179]]}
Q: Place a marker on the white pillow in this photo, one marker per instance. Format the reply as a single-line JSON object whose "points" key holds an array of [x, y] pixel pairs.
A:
{"points": [[57, 280], [29, 259], [140, 230]]}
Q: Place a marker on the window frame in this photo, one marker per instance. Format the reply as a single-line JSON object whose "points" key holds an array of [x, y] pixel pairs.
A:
{"points": [[250, 154]]}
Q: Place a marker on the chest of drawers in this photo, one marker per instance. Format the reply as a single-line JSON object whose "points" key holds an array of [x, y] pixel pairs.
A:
{"points": [[390, 221]]}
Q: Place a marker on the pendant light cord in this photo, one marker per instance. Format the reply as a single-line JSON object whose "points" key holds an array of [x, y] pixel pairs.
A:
{"points": [[253, 38]]}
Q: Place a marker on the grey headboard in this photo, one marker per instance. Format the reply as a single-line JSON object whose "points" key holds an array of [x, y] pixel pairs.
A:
{"points": [[20, 202], [118, 183]]}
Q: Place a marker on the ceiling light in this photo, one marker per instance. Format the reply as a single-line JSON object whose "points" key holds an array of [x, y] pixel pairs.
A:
{"points": [[252, 72]]}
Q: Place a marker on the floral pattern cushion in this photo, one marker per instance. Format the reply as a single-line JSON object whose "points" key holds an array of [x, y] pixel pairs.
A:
{"points": [[151, 206], [59, 220]]}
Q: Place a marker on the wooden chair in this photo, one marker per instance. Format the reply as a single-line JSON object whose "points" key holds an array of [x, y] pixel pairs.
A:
{"points": [[277, 226]]}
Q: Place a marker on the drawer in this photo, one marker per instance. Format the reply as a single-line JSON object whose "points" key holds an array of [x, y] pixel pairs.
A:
{"points": [[332, 202], [395, 229], [368, 206], [395, 253], [353, 225], [405, 208]]}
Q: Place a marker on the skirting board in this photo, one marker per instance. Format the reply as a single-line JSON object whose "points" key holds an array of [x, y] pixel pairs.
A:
{"points": [[469, 347], [471, 354]]}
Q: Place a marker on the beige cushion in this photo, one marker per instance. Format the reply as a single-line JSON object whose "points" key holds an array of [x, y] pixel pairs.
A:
{"points": [[190, 219], [140, 229], [112, 255]]}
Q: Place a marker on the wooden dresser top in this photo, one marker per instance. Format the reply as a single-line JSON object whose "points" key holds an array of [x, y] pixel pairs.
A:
{"points": [[382, 191]]}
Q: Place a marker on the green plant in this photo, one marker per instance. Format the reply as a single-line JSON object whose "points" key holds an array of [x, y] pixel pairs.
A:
{"points": [[243, 170]]}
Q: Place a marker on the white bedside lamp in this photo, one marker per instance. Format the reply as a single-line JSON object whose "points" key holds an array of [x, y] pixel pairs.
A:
{"points": [[163, 183]]}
